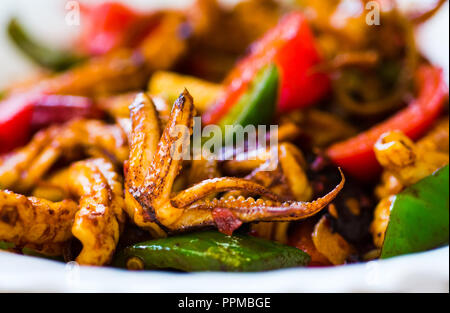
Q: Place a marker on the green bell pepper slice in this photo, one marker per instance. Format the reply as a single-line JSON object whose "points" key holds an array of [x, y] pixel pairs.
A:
{"points": [[49, 58], [258, 104], [419, 218], [211, 251]]}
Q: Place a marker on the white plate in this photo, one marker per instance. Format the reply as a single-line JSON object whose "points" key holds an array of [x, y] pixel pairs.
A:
{"points": [[422, 272]]}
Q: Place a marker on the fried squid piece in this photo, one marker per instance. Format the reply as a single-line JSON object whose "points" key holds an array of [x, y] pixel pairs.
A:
{"points": [[381, 220], [405, 163], [98, 222], [46, 226], [413, 161], [168, 84], [150, 181], [36, 223], [23, 169], [301, 238]]}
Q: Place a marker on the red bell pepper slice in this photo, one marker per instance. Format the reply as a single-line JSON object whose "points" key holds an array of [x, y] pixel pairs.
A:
{"points": [[291, 47], [356, 155], [14, 122], [301, 238], [111, 25], [22, 114]]}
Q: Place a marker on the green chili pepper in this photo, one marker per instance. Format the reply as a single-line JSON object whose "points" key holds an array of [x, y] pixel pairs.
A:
{"points": [[6, 245], [49, 58], [419, 218], [211, 251], [26, 251], [258, 105]]}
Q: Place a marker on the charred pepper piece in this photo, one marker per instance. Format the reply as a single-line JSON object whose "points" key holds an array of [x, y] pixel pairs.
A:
{"points": [[211, 251], [46, 57]]}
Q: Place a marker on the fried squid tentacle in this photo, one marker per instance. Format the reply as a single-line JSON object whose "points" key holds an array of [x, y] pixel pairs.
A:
{"points": [[154, 194], [229, 213], [145, 136], [189, 208], [266, 210], [292, 181], [208, 186], [249, 209]]}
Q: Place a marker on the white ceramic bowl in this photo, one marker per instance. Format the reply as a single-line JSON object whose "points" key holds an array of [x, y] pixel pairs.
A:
{"points": [[421, 272]]}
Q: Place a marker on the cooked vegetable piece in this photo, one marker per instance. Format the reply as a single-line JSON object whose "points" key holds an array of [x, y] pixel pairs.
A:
{"points": [[419, 217], [6, 245], [57, 60], [27, 251], [257, 106], [14, 122], [211, 251], [111, 25], [330, 244], [356, 155], [31, 252], [105, 26], [302, 239], [291, 47], [168, 85], [21, 114], [57, 109]]}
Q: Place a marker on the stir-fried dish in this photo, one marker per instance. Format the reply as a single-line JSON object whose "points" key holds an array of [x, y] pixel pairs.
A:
{"points": [[101, 161]]}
